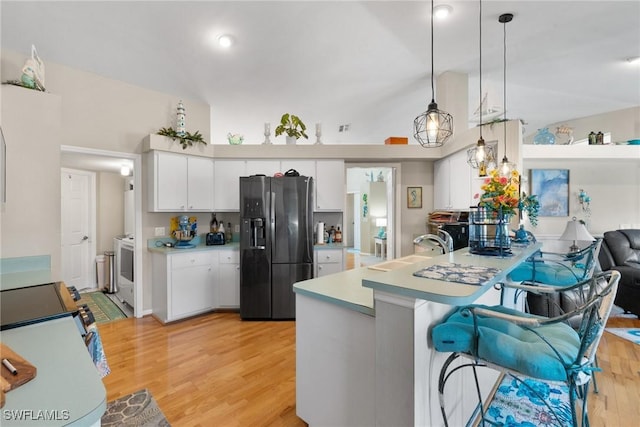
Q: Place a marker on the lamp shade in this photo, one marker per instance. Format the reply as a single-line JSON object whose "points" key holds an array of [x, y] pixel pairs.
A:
{"points": [[381, 222], [576, 230]]}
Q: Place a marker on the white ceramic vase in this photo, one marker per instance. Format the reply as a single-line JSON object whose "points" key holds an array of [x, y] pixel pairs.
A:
{"points": [[291, 140]]}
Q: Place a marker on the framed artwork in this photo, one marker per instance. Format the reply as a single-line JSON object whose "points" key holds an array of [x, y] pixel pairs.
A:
{"points": [[414, 197], [552, 188]]}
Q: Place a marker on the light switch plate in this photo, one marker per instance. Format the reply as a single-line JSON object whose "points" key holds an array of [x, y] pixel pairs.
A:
{"points": [[160, 231]]}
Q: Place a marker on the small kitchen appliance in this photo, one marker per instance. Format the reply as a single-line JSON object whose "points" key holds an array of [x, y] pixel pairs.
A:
{"points": [[185, 233], [215, 239]]}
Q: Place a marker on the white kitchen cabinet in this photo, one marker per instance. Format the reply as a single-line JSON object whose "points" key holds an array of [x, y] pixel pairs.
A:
{"points": [[330, 185], [228, 278], [328, 261], [183, 284], [262, 167], [226, 193], [452, 182], [179, 183]]}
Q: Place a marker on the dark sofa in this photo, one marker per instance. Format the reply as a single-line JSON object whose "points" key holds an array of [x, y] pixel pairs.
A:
{"points": [[620, 251]]}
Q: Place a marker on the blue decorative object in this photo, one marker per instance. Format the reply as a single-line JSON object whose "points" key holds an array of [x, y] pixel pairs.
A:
{"points": [[544, 137]]}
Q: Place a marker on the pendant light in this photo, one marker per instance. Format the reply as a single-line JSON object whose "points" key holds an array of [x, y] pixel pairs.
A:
{"points": [[506, 167], [433, 127], [479, 156]]}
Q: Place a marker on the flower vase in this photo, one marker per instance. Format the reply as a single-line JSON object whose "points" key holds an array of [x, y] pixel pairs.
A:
{"points": [[544, 137], [489, 232]]}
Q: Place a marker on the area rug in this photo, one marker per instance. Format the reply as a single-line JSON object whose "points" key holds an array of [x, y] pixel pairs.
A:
{"points": [[104, 310], [630, 334], [136, 409]]}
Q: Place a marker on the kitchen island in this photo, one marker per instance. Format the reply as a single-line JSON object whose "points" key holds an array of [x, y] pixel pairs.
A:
{"points": [[363, 353]]}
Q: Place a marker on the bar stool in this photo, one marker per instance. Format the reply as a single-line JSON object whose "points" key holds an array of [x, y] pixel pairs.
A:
{"points": [[546, 363]]}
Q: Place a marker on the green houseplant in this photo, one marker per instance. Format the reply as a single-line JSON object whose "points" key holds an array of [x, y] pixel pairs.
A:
{"points": [[292, 126]]}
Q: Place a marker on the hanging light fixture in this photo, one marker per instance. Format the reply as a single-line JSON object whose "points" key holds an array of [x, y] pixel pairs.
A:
{"points": [[433, 127], [482, 154], [506, 167]]}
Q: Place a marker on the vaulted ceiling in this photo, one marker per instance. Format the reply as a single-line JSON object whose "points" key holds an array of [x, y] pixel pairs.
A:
{"points": [[363, 63]]}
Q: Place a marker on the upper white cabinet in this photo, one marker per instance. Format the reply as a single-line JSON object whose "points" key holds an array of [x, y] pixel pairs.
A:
{"points": [[179, 183], [227, 184], [328, 175], [330, 185], [452, 182], [262, 167]]}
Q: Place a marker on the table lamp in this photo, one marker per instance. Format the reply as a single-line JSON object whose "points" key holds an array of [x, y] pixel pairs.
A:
{"points": [[576, 230], [382, 223]]}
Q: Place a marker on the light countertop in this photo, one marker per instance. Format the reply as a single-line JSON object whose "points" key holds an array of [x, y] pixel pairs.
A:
{"points": [[354, 289], [67, 383]]}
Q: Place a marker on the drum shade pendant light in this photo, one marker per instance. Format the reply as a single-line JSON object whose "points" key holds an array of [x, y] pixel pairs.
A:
{"points": [[479, 156], [506, 167], [433, 127]]}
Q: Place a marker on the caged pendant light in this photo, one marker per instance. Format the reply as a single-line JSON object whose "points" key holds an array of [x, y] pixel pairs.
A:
{"points": [[482, 154], [506, 167], [433, 127]]}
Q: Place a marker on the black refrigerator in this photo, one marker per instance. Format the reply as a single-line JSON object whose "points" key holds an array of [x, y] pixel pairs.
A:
{"points": [[276, 244]]}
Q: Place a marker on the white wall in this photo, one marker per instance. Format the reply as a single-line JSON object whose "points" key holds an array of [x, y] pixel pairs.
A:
{"points": [[413, 220], [93, 112], [30, 223]]}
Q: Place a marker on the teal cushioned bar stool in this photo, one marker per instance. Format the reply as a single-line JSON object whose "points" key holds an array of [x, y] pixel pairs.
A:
{"points": [[545, 362], [545, 273]]}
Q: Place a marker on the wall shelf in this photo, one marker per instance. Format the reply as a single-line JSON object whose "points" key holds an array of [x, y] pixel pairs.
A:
{"points": [[305, 150], [583, 151]]}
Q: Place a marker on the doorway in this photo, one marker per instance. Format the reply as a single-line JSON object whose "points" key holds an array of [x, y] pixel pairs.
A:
{"points": [[105, 165], [78, 205], [371, 209]]}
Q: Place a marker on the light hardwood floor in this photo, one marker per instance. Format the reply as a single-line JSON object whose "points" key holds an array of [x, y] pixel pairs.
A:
{"points": [[217, 370]]}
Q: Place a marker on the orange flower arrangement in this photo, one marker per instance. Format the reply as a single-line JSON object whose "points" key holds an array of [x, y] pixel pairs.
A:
{"points": [[501, 193]]}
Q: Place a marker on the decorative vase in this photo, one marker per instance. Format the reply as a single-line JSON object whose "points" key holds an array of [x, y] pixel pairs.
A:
{"points": [[489, 232], [544, 137], [291, 140]]}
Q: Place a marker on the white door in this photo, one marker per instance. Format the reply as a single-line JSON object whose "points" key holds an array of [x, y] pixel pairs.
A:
{"points": [[78, 247]]}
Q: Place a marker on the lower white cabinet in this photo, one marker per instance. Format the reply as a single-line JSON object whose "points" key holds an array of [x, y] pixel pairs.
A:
{"points": [[328, 261], [229, 278], [194, 282]]}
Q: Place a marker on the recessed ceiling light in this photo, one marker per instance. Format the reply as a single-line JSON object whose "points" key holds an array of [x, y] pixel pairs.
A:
{"points": [[441, 11], [225, 40]]}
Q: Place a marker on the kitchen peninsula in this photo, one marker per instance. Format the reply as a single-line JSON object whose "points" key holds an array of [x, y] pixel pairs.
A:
{"points": [[363, 356]]}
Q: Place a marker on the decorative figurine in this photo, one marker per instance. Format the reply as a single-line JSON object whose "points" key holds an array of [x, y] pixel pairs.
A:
{"points": [[181, 128], [318, 134]]}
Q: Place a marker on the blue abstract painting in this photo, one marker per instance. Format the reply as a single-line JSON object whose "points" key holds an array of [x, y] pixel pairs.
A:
{"points": [[552, 188]]}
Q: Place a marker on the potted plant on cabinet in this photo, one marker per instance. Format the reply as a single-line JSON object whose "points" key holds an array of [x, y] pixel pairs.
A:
{"points": [[293, 127]]}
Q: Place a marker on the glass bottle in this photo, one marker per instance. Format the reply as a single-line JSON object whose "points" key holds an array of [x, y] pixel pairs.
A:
{"points": [[213, 225], [229, 233]]}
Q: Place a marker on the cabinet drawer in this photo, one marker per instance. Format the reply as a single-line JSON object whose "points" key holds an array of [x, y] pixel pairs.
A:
{"points": [[190, 259], [229, 257], [326, 256]]}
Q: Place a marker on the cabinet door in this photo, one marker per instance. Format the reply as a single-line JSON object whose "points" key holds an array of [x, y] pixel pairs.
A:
{"points": [[200, 184], [460, 181], [170, 182], [330, 185], [192, 291], [326, 269], [229, 286], [193, 281], [265, 167], [441, 184], [226, 183]]}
